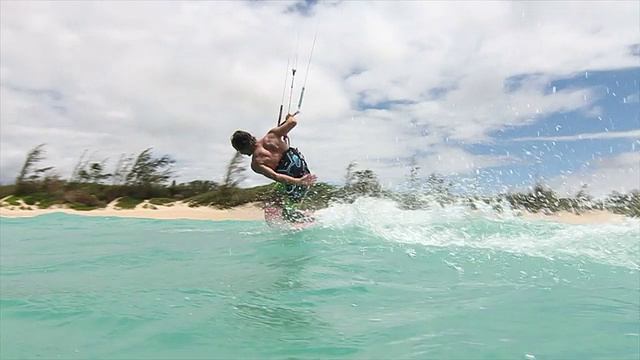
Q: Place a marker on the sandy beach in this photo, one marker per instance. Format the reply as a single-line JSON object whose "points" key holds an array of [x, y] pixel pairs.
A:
{"points": [[176, 210], [252, 212]]}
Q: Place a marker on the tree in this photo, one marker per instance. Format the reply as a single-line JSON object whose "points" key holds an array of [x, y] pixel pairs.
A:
{"points": [[365, 183], [438, 189], [582, 198], [235, 172], [149, 171], [87, 171], [34, 156], [122, 170], [414, 174], [542, 199], [75, 175], [349, 178], [29, 179], [95, 173], [413, 200]]}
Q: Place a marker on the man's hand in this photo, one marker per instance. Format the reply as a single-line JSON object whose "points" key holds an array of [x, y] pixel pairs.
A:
{"points": [[308, 179], [285, 127]]}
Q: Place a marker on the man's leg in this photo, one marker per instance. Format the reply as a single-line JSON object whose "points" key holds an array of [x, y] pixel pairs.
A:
{"points": [[292, 213]]}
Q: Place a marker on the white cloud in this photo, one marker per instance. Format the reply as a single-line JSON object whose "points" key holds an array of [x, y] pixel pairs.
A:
{"points": [[586, 136], [620, 173], [182, 76], [632, 99]]}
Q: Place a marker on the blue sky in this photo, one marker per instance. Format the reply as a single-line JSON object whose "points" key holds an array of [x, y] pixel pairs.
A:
{"points": [[496, 92], [545, 151]]}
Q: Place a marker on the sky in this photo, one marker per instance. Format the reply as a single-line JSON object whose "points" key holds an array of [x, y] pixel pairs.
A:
{"points": [[494, 95]]}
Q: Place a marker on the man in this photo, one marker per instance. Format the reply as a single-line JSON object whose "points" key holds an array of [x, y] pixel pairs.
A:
{"points": [[274, 159]]}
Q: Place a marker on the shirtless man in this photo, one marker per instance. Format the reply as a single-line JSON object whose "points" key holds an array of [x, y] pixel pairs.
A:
{"points": [[273, 158]]}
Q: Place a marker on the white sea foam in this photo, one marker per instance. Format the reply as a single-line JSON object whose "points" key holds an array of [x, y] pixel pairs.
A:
{"points": [[485, 228]]}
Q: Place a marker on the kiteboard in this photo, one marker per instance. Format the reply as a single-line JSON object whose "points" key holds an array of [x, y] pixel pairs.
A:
{"points": [[274, 219]]}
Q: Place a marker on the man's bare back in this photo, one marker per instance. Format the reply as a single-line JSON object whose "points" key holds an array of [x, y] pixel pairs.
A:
{"points": [[267, 153]]}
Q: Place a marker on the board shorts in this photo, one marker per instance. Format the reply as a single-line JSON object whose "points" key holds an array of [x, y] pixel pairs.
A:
{"points": [[292, 164]]}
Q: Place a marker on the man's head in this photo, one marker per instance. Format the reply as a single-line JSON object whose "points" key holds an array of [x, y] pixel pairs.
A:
{"points": [[243, 142]]}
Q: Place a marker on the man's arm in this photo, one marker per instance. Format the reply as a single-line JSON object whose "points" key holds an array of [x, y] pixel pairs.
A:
{"points": [[271, 174], [287, 126]]}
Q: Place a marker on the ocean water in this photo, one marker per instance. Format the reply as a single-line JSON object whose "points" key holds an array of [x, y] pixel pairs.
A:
{"points": [[369, 281]]}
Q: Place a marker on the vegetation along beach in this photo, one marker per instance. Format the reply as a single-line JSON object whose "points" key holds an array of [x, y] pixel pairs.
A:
{"points": [[139, 186]]}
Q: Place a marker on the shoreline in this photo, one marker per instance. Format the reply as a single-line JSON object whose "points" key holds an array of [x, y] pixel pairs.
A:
{"points": [[254, 212], [591, 217], [174, 211]]}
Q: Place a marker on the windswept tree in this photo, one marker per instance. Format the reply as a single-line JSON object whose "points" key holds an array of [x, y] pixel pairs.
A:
{"points": [[31, 178], [235, 172], [192, 188], [365, 183], [121, 170], [439, 189], [359, 183], [88, 171], [413, 200], [94, 172], [34, 156], [148, 171], [414, 174], [349, 177], [628, 204], [582, 193], [82, 163], [583, 198], [544, 199]]}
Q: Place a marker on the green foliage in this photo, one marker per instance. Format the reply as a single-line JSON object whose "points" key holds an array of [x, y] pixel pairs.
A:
{"points": [[94, 173], [31, 179], [86, 171], [320, 196], [540, 199], [225, 198], [12, 200], [160, 201], [121, 170], [149, 206], [235, 172], [34, 156], [128, 203], [191, 189], [148, 171], [227, 195], [627, 204], [145, 178], [81, 207], [349, 178], [422, 193], [83, 197], [43, 200], [359, 183], [7, 190]]}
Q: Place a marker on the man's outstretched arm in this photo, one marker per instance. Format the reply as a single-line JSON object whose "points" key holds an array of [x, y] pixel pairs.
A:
{"points": [[271, 174], [287, 126]]}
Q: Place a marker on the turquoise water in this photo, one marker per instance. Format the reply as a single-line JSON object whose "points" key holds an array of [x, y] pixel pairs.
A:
{"points": [[370, 281]]}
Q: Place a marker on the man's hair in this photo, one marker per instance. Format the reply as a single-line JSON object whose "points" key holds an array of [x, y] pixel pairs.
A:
{"points": [[241, 140]]}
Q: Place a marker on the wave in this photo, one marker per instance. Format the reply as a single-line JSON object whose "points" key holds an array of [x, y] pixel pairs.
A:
{"points": [[486, 228]]}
